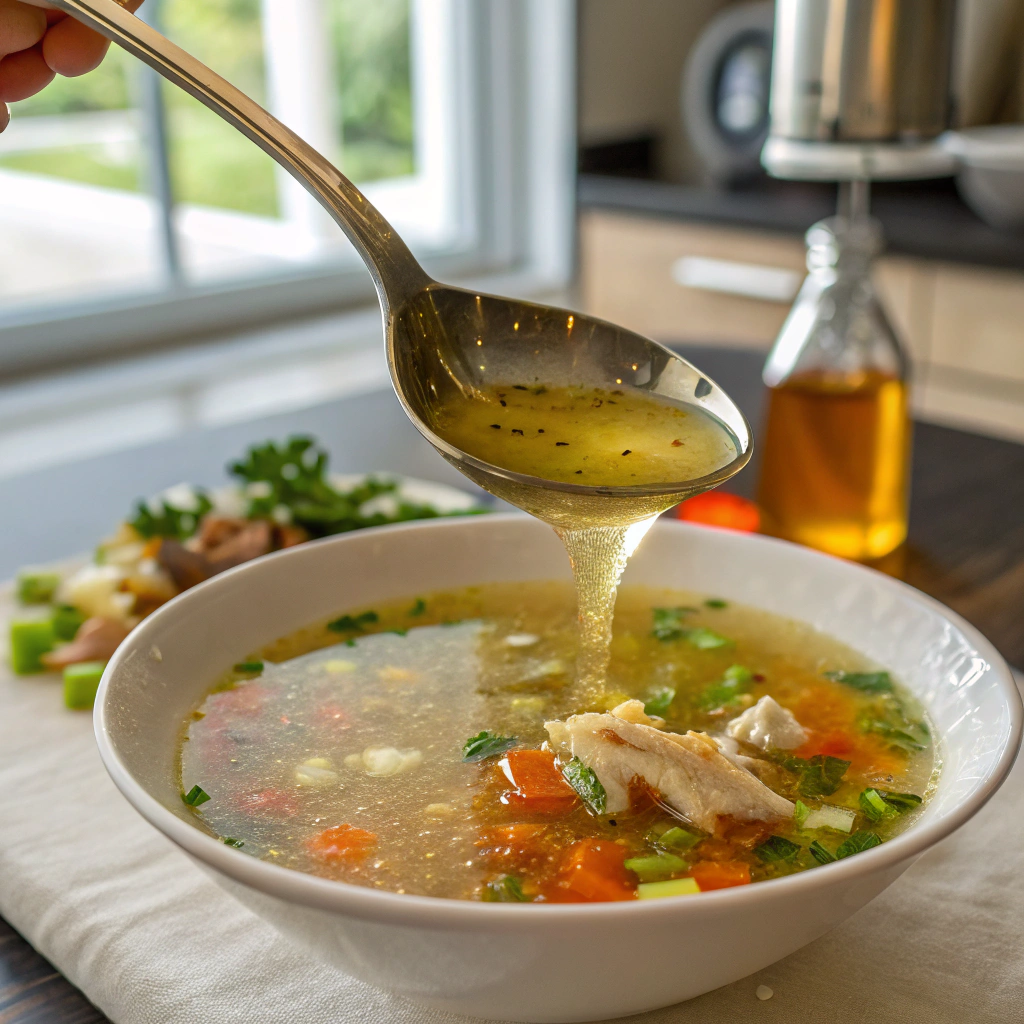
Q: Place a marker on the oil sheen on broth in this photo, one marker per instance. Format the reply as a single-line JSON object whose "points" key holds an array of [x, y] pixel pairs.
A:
{"points": [[340, 750], [597, 438]]}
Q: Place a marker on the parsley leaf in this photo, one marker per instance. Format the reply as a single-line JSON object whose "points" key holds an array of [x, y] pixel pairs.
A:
{"points": [[486, 744], [587, 785], [706, 639], [668, 623], [418, 608], [157, 518], [507, 889], [660, 700], [195, 796], [819, 775], [881, 803], [235, 844], [857, 843], [866, 682], [820, 854], [353, 623], [777, 850], [737, 680]]}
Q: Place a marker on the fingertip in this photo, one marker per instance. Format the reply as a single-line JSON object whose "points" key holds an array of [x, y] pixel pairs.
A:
{"points": [[71, 49], [5, 116], [23, 74]]}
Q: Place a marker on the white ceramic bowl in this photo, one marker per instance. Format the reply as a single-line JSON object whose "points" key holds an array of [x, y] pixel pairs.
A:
{"points": [[568, 962]]}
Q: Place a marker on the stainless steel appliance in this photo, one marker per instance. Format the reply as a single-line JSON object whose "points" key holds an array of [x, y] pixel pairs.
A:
{"points": [[860, 89]]}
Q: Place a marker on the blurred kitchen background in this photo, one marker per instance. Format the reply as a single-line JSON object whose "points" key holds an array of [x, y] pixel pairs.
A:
{"points": [[167, 296]]}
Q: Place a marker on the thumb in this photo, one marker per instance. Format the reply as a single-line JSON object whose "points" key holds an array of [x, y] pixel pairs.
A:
{"points": [[5, 116]]}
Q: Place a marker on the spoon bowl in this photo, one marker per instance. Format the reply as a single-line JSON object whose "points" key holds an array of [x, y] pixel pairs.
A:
{"points": [[443, 340]]}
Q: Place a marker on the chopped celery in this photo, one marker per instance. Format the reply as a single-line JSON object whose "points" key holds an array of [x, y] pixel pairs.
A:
{"points": [[678, 839], [66, 621], [675, 887], [656, 867], [35, 587], [30, 640], [800, 812], [80, 684]]}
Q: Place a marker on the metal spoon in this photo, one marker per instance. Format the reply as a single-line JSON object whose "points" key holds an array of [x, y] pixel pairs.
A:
{"points": [[431, 329]]}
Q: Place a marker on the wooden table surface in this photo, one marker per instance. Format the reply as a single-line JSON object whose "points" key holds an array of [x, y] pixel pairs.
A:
{"points": [[966, 548]]}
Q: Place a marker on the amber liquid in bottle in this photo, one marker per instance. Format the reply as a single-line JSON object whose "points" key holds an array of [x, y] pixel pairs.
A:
{"points": [[835, 462]]}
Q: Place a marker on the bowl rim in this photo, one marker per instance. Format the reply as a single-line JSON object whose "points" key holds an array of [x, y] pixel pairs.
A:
{"points": [[444, 912]]}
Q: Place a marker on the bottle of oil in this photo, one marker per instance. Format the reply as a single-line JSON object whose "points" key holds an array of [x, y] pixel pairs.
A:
{"points": [[836, 452]]}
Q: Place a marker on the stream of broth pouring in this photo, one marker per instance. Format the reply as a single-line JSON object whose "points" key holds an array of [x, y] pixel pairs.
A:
{"points": [[597, 437]]}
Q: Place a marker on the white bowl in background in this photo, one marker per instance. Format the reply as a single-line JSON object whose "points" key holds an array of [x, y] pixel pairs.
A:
{"points": [[569, 962]]}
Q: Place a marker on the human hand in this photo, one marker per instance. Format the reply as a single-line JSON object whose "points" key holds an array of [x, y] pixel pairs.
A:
{"points": [[36, 43]]}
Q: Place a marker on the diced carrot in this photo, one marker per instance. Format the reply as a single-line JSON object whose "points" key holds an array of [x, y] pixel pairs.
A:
{"points": [[538, 785], [343, 844], [594, 872], [719, 874], [520, 845]]}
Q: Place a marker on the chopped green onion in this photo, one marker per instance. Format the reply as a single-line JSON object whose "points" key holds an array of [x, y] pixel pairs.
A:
{"points": [[353, 623], [820, 775], [249, 667], [81, 682], [896, 737], [678, 839], [30, 639], [195, 796], [840, 819], [857, 843], [675, 887], [656, 867], [35, 587], [866, 682], [486, 744], [587, 785], [777, 850], [800, 812], [880, 803], [820, 854], [507, 889], [418, 608], [235, 844], [716, 602], [668, 623], [660, 700]]}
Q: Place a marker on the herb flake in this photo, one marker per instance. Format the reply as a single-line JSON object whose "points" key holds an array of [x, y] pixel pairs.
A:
{"points": [[586, 783], [195, 796], [777, 850], [857, 843], [507, 889], [820, 775], [866, 682], [353, 623], [486, 744], [659, 700]]}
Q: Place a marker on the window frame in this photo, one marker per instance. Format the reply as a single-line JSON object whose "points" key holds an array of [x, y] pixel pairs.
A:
{"points": [[516, 191]]}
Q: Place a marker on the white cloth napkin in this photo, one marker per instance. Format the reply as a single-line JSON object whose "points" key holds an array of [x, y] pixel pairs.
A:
{"points": [[151, 940]]}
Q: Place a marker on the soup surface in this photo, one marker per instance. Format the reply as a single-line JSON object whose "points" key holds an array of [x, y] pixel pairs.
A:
{"points": [[430, 746]]}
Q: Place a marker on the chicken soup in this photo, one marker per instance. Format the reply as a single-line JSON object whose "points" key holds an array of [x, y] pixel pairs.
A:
{"points": [[434, 746]]}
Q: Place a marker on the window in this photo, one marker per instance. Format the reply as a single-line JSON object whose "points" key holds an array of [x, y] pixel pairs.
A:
{"points": [[130, 215]]}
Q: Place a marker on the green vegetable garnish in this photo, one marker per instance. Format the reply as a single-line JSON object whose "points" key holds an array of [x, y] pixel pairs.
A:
{"points": [[895, 736], [587, 785], [507, 889], [866, 682], [486, 744], [249, 667], [234, 843], [819, 775], [353, 623], [418, 608], [81, 682], [660, 700], [398, 631], [30, 639], [675, 887], [857, 843], [800, 812], [706, 639], [880, 803], [736, 680], [678, 839], [195, 796], [35, 587], [716, 602], [66, 621], [777, 850], [820, 854], [668, 623], [657, 867], [157, 518]]}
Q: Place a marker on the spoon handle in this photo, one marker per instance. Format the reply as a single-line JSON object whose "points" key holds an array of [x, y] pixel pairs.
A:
{"points": [[396, 274]]}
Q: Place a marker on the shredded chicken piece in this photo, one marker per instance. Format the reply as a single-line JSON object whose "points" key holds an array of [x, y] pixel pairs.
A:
{"points": [[768, 725], [688, 771], [96, 640]]}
